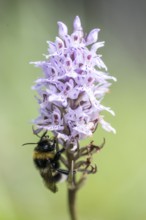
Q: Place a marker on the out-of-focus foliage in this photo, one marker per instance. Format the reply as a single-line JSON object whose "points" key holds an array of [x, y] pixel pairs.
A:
{"points": [[117, 191]]}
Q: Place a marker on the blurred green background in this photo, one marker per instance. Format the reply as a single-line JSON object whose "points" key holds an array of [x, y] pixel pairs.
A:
{"points": [[118, 190]]}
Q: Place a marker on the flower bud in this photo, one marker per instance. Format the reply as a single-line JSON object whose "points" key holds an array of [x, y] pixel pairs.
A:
{"points": [[77, 24], [92, 36], [62, 29]]}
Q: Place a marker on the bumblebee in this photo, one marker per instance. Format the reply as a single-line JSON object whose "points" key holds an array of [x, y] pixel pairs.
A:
{"points": [[46, 160]]}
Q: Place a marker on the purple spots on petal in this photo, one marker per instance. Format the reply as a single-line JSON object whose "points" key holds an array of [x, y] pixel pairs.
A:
{"points": [[72, 56], [56, 116], [80, 64], [67, 88], [75, 38], [90, 79], [68, 63], [89, 57], [60, 45]]}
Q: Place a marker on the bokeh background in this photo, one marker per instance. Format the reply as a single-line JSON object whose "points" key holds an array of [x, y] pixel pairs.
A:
{"points": [[118, 190]]}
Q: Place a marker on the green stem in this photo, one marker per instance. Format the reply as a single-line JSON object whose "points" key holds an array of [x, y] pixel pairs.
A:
{"points": [[72, 190], [71, 203]]}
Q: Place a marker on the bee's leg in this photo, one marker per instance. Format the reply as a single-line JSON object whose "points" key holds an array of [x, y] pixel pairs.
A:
{"points": [[66, 172], [58, 154]]}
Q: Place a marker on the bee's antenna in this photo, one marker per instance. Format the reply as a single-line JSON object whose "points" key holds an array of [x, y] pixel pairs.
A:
{"points": [[28, 144]]}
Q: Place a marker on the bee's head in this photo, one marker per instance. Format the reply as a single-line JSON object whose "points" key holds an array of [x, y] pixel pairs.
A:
{"points": [[45, 145]]}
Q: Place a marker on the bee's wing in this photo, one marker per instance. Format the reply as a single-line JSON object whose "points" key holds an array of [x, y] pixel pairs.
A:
{"points": [[49, 179]]}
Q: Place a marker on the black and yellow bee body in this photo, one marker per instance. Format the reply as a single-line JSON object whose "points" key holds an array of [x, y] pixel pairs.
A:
{"points": [[46, 159]]}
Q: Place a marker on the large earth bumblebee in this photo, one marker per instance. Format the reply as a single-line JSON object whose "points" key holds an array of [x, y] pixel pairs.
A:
{"points": [[46, 159]]}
